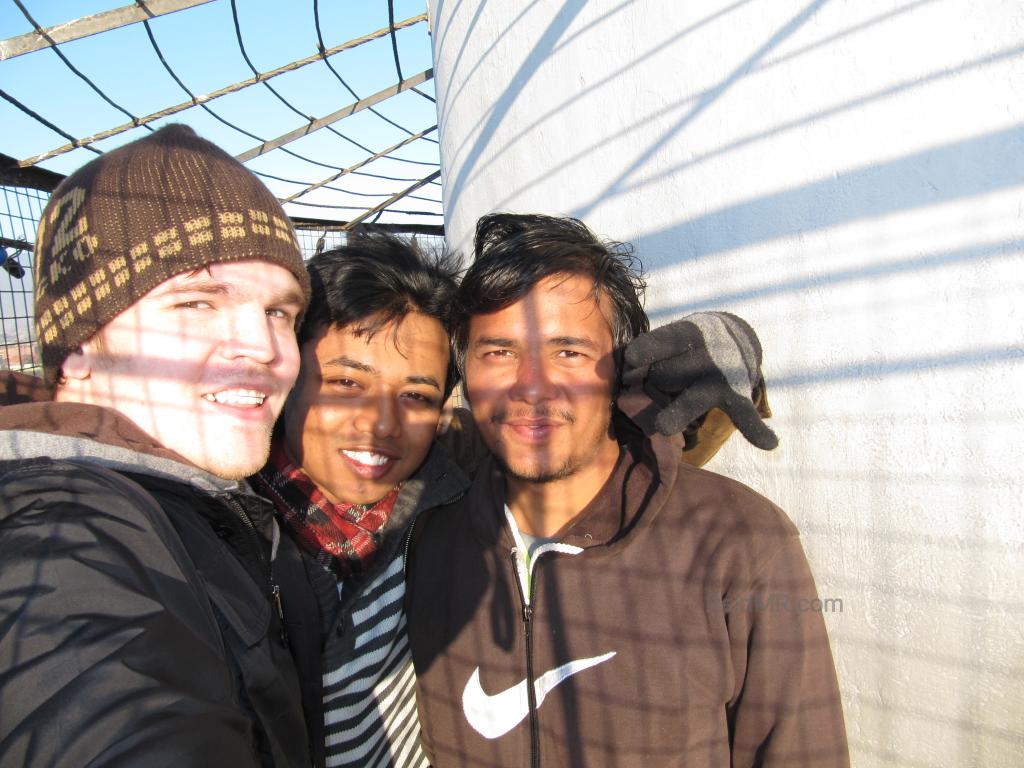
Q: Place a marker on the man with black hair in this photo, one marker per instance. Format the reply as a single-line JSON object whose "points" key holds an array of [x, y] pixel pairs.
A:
{"points": [[353, 462], [592, 599]]}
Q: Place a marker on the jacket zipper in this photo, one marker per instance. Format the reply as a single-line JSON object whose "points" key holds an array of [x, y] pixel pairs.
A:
{"points": [[275, 589], [531, 693], [415, 519]]}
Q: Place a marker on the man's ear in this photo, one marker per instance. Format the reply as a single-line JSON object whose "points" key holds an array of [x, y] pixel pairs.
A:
{"points": [[78, 365], [445, 420]]}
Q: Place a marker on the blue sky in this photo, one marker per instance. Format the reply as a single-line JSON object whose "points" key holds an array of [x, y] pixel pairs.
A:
{"points": [[200, 45]]}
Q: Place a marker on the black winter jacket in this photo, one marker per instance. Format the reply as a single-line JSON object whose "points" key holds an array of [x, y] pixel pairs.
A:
{"points": [[139, 605]]}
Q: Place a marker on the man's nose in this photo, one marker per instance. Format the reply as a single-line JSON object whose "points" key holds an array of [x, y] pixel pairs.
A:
{"points": [[248, 333], [378, 416], [532, 383]]}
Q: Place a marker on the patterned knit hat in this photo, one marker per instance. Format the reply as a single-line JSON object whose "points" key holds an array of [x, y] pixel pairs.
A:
{"points": [[135, 217]]}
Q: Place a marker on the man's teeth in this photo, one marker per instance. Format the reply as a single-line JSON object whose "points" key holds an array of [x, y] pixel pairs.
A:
{"points": [[365, 457], [250, 397]]}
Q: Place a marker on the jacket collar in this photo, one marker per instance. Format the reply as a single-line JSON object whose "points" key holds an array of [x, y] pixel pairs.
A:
{"points": [[437, 482], [101, 435]]}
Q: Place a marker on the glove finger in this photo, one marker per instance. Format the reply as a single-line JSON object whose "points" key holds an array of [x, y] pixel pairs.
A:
{"points": [[639, 354], [750, 424], [680, 337], [691, 404], [648, 348], [633, 375]]}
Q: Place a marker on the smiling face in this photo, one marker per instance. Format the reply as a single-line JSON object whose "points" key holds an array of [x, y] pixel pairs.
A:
{"points": [[364, 413], [202, 363], [539, 377]]}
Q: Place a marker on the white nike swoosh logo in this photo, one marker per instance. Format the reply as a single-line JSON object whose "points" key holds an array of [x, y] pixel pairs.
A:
{"points": [[494, 716]]}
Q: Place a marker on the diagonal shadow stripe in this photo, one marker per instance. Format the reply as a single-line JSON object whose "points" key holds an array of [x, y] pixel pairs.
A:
{"points": [[981, 252], [953, 171], [864, 369]]}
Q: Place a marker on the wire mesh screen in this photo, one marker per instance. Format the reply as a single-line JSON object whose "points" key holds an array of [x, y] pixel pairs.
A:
{"points": [[313, 241], [20, 209]]}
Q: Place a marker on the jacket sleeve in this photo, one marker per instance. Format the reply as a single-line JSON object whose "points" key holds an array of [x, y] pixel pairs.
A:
{"points": [[787, 710], [109, 650]]}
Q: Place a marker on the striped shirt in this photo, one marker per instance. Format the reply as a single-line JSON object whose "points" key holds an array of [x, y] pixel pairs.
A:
{"points": [[369, 684]]}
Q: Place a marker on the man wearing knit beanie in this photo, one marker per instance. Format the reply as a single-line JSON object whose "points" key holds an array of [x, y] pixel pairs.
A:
{"points": [[151, 613]]}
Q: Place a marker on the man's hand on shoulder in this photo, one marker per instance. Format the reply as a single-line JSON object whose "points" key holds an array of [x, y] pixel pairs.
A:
{"points": [[701, 362]]}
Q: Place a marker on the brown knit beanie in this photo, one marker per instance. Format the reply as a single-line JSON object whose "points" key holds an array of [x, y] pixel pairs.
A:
{"points": [[125, 222]]}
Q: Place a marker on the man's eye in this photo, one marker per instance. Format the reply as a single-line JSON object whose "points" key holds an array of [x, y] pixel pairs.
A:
{"points": [[342, 383], [569, 353], [419, 397], [281, 313], [194, 305]]}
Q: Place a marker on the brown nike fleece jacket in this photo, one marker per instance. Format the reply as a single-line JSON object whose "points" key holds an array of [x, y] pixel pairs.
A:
{"points": [[675, 624]]}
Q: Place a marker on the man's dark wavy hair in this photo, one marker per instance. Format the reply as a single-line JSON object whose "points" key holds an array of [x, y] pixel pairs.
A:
{"points": [[375, 279], [514, 252]]}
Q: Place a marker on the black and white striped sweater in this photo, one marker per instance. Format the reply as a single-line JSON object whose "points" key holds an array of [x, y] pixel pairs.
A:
{"points": [[369, 687]]}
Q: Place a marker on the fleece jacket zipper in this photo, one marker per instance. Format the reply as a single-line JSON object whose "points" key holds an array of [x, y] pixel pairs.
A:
{"points": [[526, 600]]}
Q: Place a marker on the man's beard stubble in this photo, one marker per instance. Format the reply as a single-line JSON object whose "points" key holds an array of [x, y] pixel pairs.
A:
{"points": [[573, 462]]}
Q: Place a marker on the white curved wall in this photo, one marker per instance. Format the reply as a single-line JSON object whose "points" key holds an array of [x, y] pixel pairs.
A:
{"points": [[849, 176]]}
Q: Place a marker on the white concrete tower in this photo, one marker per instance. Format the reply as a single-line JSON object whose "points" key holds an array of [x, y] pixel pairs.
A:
{"points": [[848, 175]]}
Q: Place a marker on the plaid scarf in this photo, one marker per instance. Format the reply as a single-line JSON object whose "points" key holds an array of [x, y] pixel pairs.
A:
{"points": [[343, 538]]}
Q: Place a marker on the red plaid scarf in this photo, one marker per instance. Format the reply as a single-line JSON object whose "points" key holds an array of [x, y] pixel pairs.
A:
{"points": [[342, 537]]}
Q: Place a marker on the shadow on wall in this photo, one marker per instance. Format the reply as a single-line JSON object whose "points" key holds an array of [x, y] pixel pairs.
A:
{"points": [[549, 42], [503, 101], [955, 171], [975, 253]]}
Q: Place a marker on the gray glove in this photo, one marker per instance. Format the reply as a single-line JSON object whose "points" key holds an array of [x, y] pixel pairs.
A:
{"points": [[702, 361]]}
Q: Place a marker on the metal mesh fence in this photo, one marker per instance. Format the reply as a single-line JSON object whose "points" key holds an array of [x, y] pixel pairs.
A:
{"points": [[20, 209], [310, 240]]}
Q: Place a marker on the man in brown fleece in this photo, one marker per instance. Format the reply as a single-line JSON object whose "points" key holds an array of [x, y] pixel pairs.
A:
{"points": [[593, 600]]}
